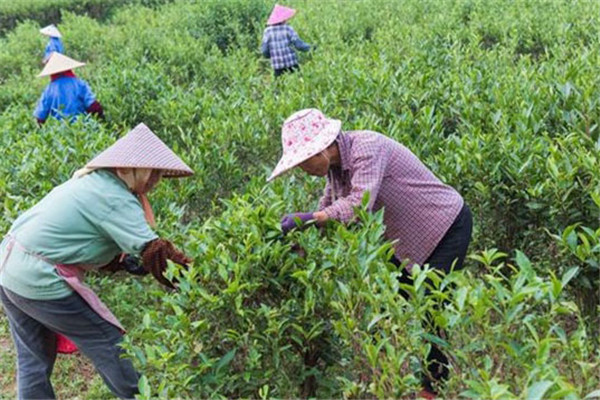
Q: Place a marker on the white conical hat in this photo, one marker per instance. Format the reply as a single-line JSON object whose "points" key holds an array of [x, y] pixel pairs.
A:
{"points": [[50, 30], [59, 63], [141, 148]]}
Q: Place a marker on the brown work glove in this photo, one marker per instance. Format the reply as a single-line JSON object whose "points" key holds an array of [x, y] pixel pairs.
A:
{"points": [[155, 256]]}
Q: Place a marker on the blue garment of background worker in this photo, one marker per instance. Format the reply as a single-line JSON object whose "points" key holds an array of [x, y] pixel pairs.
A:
{"points": [[54, 44], [66, 96]]}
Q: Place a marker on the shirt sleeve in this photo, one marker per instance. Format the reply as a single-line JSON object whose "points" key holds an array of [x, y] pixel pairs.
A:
{"points": [[264, 46], [297, 42], [87, 95], [42, 108], [369, 162], [127, 226]]}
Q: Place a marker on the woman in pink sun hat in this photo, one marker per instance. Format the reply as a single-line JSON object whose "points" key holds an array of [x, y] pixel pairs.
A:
{"points": [[88, 222], [279, 39], [428, 219]]}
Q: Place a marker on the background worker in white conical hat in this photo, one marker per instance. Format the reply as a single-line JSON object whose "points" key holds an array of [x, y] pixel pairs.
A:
{"points": [[84, 223], [54, 44], [279, 40], [66, 96]]}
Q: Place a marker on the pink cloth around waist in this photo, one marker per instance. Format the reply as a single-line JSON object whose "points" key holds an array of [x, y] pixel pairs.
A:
{"points": [[73, 276]]}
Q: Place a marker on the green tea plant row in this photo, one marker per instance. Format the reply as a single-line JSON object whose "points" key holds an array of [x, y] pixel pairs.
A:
{"points": [[257, 318], [47, 12]]}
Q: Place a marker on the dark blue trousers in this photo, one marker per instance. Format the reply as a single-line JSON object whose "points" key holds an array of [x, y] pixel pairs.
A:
{"points": [[449, 254], [33, 324]]}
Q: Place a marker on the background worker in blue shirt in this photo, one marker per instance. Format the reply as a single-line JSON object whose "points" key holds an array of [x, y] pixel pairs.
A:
{"points": [[66, 96], [54, 44]]}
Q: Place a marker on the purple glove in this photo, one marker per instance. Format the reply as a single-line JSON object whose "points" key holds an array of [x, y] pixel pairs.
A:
{"points": [[289, 221]]}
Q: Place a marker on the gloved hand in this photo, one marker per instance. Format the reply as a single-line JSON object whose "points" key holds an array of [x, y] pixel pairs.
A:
{"points": [[155, 256], [288, 222], [132, 265], [129, 263]]}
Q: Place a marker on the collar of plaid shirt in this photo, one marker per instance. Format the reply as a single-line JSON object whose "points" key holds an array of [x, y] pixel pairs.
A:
{"points": [[344, 147], [337, 173]]}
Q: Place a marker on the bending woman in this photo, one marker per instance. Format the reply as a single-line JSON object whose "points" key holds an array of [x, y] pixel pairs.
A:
{"points": [[85, 223]]}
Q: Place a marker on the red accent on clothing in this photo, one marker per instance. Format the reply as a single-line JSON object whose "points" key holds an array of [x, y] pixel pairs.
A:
{"points": [[64, 345], [68, 73], [96, 108], [426, 394]]}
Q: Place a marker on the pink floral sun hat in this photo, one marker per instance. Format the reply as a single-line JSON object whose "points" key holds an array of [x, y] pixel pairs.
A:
{"points": [[280, 14], [141, 148], [303, 135]]}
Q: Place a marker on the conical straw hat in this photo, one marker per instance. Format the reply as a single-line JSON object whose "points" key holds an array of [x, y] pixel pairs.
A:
{"points": [[59, 63], [141, 148], [280, 14], [50, 30]]}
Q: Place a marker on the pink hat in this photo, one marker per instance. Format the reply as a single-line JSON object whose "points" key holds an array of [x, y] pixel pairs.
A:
{"points": [[303, 135], [141, 148], [280, 14]]}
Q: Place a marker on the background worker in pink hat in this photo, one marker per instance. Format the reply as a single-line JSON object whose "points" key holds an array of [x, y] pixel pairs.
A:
{"points": [[429, 220], [66, 96], [85, 223], [279, 39]]}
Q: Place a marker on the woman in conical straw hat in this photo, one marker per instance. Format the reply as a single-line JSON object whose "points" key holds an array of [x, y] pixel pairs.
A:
{"points": [[85, 223], [66, 96], [54, 44], [279, 40], [428, 220]]}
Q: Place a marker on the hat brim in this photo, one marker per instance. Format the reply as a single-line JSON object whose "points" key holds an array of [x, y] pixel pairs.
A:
{"points": [[167, 173], [289, 162]]}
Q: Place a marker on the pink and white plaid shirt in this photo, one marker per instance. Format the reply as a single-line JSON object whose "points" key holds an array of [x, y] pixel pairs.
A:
{"points": [[419, 208]]}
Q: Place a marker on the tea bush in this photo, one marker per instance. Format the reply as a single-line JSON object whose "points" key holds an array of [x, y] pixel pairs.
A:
{"points": [[499, 99], [47, 12], [257, 317]]}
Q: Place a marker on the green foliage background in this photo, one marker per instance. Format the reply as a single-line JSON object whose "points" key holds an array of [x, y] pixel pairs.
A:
{"points": [[500, 99]]}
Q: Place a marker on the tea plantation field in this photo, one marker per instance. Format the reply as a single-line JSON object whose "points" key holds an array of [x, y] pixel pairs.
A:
{"points": [[501, 99]]}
